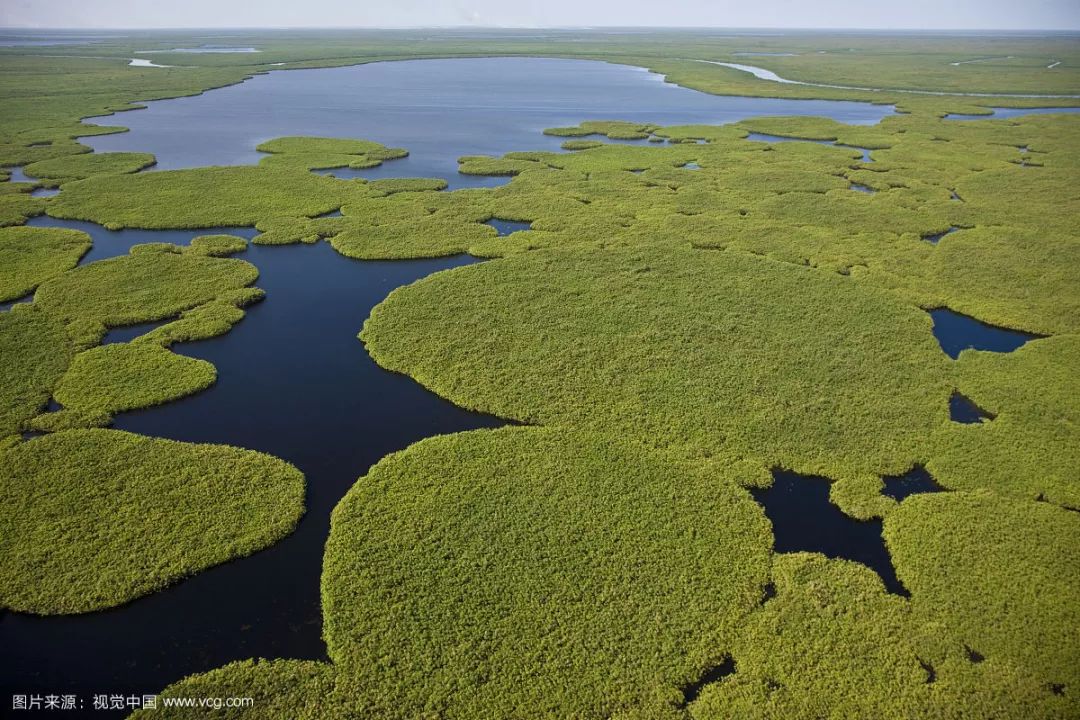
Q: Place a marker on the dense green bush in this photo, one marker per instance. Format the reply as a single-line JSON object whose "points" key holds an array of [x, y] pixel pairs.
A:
{"points": [[78, 167], [90, 519], [36, 353], [29, 256]]}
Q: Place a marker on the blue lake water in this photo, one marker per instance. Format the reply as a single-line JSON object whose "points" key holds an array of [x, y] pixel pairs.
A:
{"points": [[438, 109], [913, 482], [963, 410], [803, 520], [1006, 113], [956, 333], [506, 227]]}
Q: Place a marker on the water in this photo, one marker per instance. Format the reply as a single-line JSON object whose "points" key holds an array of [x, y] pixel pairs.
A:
{"points": [[505, 227], [956, 332], [963, 410], [762, 137], [111, 243], [438, 109], [804, 520], [1000, 113], [763, 74], [916, 481], [293, 381], [936, 237]]}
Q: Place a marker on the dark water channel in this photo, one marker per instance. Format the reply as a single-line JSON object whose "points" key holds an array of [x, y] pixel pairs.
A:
{"points": [[956, 333], [804, 520], [762, 137], [963, 409], [293, 381]]}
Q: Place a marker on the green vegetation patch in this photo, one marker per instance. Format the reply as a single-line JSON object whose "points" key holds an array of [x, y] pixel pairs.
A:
{"points": [[29, 256], [218, 245], [613, 129], [18, 207], [78, 167], [833, 643], [314, 153], [1031, 449], [202, 197], [760, 359], [114, 378], [36, 353], [94, 518], [293, 689], [1003, 574], [139, 288], [491, 572]]}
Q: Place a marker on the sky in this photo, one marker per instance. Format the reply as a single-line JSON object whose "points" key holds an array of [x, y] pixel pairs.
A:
{"points": [[876, 14]]}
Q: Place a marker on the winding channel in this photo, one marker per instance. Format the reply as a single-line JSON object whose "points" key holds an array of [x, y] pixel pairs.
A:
{"points": [[763, 74]]}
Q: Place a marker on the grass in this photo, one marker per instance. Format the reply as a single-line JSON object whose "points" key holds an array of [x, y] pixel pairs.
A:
{"points": [[1007, 585], [855, 380], [435, 601], [109, 379], [833, 643], [296, 689], [1032, 448], [79, 167], [202, 197], [138, 288], [173, 509], [29, 256], [36, 352]]}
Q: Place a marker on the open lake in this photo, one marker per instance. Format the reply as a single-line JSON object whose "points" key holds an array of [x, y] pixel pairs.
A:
{"points": [[438, 109], [293, 380]]}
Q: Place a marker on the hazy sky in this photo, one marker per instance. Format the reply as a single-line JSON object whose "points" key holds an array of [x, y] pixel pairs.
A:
{"points": [[896, 14]]}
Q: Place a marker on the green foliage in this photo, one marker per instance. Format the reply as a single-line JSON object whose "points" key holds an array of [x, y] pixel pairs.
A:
{"points": [[489, 572], [29, 256], [1032, 447], [833, 643], [202, 197], [114, 378], [138, 288], [201, 323], [389, 186], [78, 167], [581, 144], [1002, 574], [36, 353], [17, 208], [218, 245], [294, 689], [91, 519], [855, 381], [312, 153], [613, 129]]}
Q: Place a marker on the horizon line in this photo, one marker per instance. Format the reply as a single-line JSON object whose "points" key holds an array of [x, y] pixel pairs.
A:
{"points": [[1009, 30]]}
